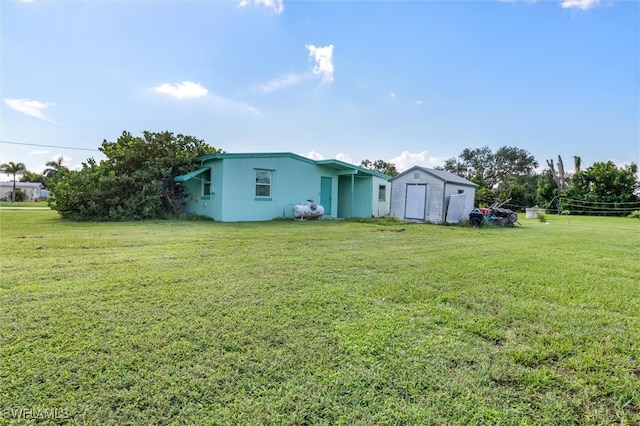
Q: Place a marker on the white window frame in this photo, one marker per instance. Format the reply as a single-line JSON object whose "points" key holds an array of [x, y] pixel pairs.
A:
{"points": [[261, 173], [382, 192]]}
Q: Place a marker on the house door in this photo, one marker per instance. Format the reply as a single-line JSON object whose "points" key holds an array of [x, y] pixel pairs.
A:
{"points": [[325, 194], [415, 201]]}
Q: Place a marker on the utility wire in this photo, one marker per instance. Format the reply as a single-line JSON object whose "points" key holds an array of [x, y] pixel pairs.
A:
{"points": [[598, 202], [49, 146]]}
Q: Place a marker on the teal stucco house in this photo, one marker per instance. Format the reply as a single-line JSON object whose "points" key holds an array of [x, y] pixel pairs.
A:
{"points": [[264, 186]]}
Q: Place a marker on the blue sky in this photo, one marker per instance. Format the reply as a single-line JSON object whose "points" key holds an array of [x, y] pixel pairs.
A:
{"points": [[411, 82]]}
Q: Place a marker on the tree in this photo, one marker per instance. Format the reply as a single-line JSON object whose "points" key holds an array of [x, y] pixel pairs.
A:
{"points": [[28, 176], [604, 188], [473, 164], [54, 168], [498, 174], [135, 181], [546, 189], [380, 166], [14, 169], [559, 176]]}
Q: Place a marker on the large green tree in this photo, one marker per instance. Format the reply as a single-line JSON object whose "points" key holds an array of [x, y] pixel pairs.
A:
{"points": [[135, 181], [507, 173], [14, 169], [603, 188]]}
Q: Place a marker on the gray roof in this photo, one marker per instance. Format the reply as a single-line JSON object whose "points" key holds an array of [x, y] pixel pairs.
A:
{"points": [[440, 174], [22, 184]]}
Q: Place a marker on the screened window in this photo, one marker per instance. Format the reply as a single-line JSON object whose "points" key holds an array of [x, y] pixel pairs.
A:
{"points": [[263, 183], [382, 193], [206, 183]]}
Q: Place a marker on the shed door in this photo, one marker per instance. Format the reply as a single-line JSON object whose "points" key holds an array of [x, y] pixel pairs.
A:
{"points": [[415, 201], [325, 194]]}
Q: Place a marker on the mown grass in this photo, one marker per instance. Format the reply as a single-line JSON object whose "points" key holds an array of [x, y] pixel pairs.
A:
{"points": [[23, 204], [320, 322]]}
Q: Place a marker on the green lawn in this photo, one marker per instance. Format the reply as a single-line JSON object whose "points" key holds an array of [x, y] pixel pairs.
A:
{"points": [[23, 204], [319, 322]]}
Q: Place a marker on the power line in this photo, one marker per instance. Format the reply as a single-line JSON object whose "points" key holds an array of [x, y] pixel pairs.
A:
{"points": [[49, 146]]}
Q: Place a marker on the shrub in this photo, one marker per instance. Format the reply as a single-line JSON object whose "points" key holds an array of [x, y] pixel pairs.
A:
{"points": [[635, 214], [542, 217]]}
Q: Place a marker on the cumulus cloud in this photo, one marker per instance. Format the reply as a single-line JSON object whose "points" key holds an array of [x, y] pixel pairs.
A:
{"points": [[323, 56], [33, 108], [344, 157], [314, 155], [283, 82], [275, 5], [579, 4], [184, 90], [406, 160]]}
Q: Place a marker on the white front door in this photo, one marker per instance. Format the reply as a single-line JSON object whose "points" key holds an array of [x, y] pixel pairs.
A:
{"points": [[415, 201]]}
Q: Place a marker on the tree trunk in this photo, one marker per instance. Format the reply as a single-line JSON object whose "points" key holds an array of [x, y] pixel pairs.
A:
{"points": [[563, 182], [558, 177]]}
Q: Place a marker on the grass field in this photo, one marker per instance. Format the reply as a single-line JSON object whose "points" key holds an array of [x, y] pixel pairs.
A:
{"points": [[22, 204], [319, 322]]}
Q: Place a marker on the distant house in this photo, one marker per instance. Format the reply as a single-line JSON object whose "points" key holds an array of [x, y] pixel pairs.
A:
{"points": [[428, 195], [264, 186], [32, 190]]}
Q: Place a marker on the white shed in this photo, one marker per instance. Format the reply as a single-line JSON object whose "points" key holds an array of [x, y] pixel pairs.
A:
{"points": [[428, 195]]}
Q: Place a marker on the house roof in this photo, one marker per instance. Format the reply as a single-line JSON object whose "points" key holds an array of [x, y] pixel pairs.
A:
{"points": [[336, 164], [22, 184], [440, 174]]}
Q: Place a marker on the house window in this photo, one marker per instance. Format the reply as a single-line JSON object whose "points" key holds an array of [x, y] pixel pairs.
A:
{"points": [[460, 191], [263, 183], [416, 175], [206, 183], [382, 193]]}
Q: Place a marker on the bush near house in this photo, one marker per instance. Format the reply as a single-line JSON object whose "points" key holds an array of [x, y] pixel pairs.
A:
{"points": [[20, 196], [134, 182]]}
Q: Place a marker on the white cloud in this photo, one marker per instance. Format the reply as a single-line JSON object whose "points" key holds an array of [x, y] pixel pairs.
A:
{"points": [[344, 157], [406, 160], [276, 5], [39, 152], [314, 155], [579, 4], [184, 90], [419, 102], [283, 82], [323, 56], [190, 90], [32, 108], [231, 104], [66, 160]]}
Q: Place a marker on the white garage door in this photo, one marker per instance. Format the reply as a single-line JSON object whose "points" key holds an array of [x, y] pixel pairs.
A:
{"points": [[415, 201]]}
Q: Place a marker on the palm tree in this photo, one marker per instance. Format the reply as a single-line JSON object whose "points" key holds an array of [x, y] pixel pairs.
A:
{"points": [[54, 167], [14, 169], [577, 162]]}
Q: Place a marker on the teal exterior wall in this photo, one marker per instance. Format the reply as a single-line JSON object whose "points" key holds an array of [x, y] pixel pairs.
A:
{"points": [[294, 180]]}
